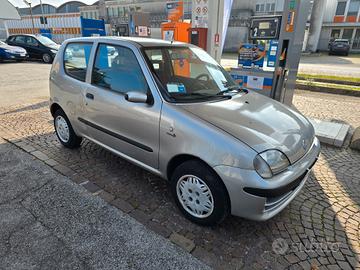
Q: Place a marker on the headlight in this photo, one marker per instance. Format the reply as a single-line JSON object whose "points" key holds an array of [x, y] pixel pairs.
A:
{"points": [[54, 51], [270, 162], [9, 51]]}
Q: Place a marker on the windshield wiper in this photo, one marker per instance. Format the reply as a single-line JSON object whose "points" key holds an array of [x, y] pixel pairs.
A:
{"points": [[198, 95], [231, 89]]}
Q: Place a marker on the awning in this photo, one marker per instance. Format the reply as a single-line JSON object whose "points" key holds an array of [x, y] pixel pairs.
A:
{"points": [[8, 11]]}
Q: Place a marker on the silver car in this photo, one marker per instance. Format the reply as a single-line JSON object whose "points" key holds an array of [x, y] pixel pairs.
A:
{"points": [[171, 109]]}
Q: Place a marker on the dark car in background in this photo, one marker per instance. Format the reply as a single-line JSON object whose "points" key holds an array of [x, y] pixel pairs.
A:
{"points": [[339, 46], [37, 46], [8, 52]]}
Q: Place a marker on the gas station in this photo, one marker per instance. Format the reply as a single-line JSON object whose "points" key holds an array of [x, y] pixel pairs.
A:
{"points": [[91, 207], [268, 61]]}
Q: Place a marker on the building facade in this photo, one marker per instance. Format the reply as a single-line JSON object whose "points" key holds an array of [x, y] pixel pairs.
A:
{"points": [[117, 12], [68, 7], [341, 20]]}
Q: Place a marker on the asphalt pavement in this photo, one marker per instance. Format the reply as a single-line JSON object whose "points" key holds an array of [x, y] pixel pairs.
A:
{"points": [[48, 222]]}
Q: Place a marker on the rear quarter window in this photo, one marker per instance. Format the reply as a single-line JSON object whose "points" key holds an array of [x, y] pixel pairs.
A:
{"points": [[76, 60]]}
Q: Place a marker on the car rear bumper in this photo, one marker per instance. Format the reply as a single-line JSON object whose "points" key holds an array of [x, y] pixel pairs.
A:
{"points": [[254, 198], [335, 50]]}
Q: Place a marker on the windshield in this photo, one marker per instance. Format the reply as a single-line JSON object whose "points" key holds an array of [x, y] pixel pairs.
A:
{"points": [[45, 40], [189, 73]]}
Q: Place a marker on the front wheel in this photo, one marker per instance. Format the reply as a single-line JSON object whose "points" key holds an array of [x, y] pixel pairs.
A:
{"points": [[199, 193], [64, 130], [47, 58]]}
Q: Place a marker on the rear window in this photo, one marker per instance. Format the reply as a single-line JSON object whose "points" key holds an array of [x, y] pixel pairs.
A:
{"points": [[76, 60], [342, 41]]}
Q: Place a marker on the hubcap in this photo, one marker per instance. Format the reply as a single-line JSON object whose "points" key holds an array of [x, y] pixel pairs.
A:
{"points": [[195, 196], [46, 58], [62, 129]]}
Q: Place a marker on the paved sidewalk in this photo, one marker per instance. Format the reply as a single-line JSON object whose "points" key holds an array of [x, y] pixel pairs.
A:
{"points": [[320, 229], [48, 222]]}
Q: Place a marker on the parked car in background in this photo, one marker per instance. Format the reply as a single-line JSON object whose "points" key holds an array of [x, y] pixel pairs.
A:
{"points": [[339, 46], [8, 52], [172, 109], [37, 46]]}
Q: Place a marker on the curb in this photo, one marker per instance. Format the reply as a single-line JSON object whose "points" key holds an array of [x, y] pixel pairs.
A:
{"points": [[327, 90], [328, 81]]}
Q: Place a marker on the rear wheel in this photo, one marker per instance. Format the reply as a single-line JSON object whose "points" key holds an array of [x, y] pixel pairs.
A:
{"points": [[64, 130], [47, 58], [199, 193]]}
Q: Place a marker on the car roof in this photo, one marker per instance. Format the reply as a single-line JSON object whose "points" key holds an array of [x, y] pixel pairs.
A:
{"points": [[137, 41], [341, 40], [29, 35]]}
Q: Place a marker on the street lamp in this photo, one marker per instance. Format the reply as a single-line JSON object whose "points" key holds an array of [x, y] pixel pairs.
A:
{"points": [[28, 3]]}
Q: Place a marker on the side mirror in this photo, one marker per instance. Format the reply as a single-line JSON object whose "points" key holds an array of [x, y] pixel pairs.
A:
{"points": [[136, 97]]}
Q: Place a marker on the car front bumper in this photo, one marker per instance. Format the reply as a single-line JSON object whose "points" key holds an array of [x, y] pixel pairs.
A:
{"points": [[16, 56], [255, 198]]}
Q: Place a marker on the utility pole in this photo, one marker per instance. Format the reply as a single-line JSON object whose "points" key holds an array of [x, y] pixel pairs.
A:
{"points": [[42, 13], [28, 3]]}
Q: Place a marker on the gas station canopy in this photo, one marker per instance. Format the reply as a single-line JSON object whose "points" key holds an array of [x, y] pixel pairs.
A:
{"points": [[8, 11]]}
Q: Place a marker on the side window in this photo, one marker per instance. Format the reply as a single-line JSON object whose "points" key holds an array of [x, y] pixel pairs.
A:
{"points": [[20, 39], [76, 60], [32, 41], [116, 68]]}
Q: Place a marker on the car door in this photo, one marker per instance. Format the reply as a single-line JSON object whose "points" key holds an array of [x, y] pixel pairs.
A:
{"points": [[33, 47], [127, 127], [19, 41]]}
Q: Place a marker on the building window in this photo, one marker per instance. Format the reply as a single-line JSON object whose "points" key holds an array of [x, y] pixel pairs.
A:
{"points": [[354, 8], [260, 8], [340, 10], [116, 13], [272, 7], [348, 33], [335, 33], [268, 7], [110, 11]]}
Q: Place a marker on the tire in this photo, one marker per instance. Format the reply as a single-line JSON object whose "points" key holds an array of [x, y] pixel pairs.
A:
{"points": [[64, 130], [47, 58], [200, 184]]}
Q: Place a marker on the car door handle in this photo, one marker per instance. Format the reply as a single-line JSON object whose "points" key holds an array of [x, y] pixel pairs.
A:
{"points": [[89, 96]]}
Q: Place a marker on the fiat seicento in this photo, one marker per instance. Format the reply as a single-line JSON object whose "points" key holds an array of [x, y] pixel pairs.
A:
{"points": [[171, 109]]}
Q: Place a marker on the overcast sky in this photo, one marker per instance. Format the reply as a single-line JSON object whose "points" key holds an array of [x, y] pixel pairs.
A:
{"points": [[20, 3]]}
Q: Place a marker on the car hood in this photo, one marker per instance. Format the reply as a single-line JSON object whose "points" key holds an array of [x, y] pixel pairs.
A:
{"points": [[53, 46], [259, 122], [13, 48]]}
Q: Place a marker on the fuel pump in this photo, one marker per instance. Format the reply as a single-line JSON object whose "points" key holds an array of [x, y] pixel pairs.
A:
{"points": [[269, 63]]}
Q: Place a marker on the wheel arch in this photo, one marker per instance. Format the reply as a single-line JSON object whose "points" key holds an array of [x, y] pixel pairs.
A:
{"points": [[54, 107], [181, 158]]}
